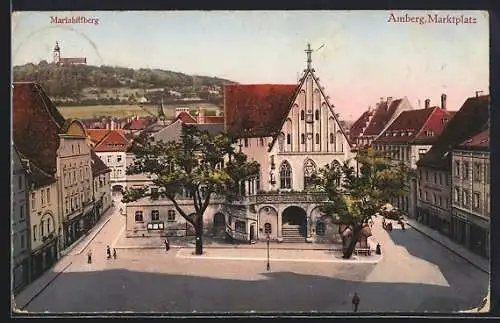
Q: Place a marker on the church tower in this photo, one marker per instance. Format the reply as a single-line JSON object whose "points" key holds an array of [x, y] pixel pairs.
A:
{"points": [[57, 54], [161, 112]]}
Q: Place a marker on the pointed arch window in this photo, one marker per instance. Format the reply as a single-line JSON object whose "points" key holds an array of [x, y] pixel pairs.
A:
{"points": [[317, 139], [285, 175], [332, 138], [316, 114], [309, 171], [289, 139], [302, 138], [302, 115]]}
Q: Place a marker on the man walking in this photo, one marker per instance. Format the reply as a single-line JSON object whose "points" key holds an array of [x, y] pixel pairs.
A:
{"points": [[355, 302], [114, 253], [89, 256], [167, 245], [108, 252]]}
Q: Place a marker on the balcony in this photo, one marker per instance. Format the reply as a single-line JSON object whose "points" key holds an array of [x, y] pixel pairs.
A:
{"points": [[289, 197]]}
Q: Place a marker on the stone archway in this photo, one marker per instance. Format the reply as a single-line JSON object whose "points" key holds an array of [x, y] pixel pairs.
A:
{"points": [[294, 224]]}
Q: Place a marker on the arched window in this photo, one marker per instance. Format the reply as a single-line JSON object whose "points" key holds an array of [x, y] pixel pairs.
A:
{"points": [[332, 138], [289, 139], [285, 175], [302, 139], [317, 139], [309, 171], [268, 228], [316, 115], [302, 115], [138, 216], [320, 228]]}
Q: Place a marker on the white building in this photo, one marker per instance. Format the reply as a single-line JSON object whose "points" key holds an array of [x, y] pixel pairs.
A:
{"points": [[112, 150], [19, 224]]}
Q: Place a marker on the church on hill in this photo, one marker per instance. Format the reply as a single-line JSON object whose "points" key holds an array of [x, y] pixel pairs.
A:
{"points": [[291, 130]]}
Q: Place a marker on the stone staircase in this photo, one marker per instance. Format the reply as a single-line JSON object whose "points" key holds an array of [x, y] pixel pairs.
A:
{"points": [[292, 233]]}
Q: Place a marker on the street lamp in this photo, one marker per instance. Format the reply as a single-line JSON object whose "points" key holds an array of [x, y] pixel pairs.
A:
{"points": [[268, 267]]}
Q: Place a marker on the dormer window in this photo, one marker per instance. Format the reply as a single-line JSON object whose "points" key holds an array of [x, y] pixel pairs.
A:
{"points": [[394, 134]]}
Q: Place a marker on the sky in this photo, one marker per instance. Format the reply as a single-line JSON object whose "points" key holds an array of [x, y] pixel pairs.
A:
{"points": [[366, 54]]}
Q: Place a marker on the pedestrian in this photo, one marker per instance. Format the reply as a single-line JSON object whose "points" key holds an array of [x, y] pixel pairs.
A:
{"points": [[114, 253], [355, 302], [89, 256], [402, 225], [108, 252], [167, 245], [378, 251]]}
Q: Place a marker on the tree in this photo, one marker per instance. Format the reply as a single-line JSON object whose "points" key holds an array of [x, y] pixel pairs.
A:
{"points": [[199, 163], [357, 195]]}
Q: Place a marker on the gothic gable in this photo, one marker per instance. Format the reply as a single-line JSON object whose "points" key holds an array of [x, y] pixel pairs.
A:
{"points": [[311, 124]]}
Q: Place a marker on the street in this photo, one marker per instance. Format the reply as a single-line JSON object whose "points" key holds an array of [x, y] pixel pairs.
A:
{"points": [[414, 274]]}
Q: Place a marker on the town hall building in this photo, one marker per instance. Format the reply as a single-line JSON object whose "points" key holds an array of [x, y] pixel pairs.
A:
{"points": [[291, 131]]}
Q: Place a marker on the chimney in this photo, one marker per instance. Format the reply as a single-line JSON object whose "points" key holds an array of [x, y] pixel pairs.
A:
{"points": [[112, 124], [427, 103], [389, 100], [478, 92], [443, 101]]}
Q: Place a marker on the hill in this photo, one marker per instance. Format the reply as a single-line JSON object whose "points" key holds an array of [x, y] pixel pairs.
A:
{"points": [[88, 84]]}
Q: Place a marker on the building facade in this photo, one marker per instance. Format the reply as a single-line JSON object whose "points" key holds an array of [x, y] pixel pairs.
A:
{"points": [[470, 218], [20, 233], [75, 181], [101, 193], [435, 175], [407, 139], [112, 150]]}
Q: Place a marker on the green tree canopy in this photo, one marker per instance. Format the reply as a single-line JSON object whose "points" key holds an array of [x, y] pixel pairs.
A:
{"points": [[355, 195], [199, 163]]}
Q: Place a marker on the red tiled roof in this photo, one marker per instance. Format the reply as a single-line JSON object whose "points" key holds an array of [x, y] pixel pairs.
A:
{"points": [[256, 110], [413, 125], [113, 141], [36, 124], [97, 165], [96, 135], [185, 117], [358, 125], [480, 141], [214, 119], [138, 124], [471, 119], [382, 115]]}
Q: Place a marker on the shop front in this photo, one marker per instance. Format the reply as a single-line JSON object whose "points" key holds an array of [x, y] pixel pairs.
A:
{"points": [[458, 228], [73, 230], [44, 257], [478, 240]]}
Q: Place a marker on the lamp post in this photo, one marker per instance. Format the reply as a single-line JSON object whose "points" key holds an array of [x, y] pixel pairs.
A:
{"points": [[268, 267]]}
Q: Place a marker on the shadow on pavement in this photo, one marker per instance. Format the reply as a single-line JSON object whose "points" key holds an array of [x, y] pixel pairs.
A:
{"points": [[468, 280], [124, 290]]}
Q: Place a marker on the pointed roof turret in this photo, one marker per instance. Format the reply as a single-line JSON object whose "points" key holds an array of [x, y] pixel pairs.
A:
{"points": [[308, 53]]}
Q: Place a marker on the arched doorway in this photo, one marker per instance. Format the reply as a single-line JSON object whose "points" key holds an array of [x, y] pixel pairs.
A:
{"points": [[219, 224], [294, 224]]}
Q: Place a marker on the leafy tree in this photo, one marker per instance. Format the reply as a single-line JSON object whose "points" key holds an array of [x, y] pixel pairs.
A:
{"points": [[357, 195], [199, 163]]}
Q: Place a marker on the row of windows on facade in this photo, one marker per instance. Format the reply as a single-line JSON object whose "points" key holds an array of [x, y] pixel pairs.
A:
{"points": [[44, 198], [396, 152], [77, 150], [436, 200], [41, 233], [289, 139], [427, 133], [437, 175], [117, 173], [241, 227], [70, 177], [476, 199], [76, 201], [463, 172], [286, 175], [155, 216], [109, 158]]}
